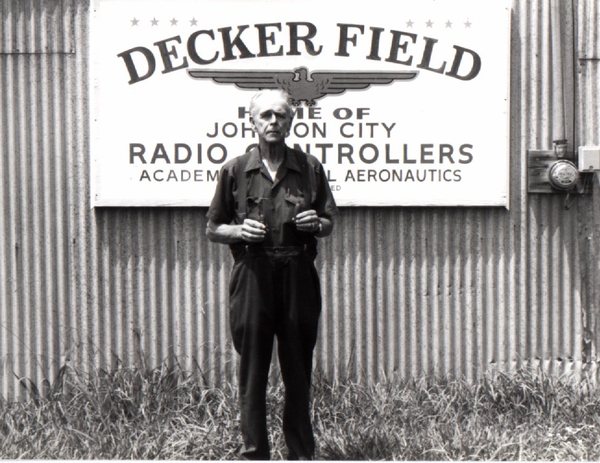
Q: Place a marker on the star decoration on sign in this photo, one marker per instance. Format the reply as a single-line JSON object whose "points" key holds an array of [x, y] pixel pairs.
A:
{"points": [[194, 22]]}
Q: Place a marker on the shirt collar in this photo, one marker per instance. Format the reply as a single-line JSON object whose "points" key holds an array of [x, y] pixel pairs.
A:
{"points": [[290, 161], [253, 161]]}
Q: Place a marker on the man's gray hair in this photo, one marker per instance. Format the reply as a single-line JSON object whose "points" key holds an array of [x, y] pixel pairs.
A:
{"points": [[284, 95]]}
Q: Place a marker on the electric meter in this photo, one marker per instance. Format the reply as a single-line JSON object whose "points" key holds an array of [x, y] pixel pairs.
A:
{"points": [[563, 175]]}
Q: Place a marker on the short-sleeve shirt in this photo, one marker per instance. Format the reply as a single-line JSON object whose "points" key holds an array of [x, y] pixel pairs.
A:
{"points": [[246, 190]]}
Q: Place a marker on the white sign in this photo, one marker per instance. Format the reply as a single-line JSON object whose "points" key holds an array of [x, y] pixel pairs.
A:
{"points": [[405, 102]]}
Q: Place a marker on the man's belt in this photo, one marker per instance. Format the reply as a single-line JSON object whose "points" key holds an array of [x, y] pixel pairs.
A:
{"points": [[244, 249], [276, 251]]}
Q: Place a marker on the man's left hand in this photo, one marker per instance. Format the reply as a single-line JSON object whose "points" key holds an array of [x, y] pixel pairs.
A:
{"points": [[307, 221]]}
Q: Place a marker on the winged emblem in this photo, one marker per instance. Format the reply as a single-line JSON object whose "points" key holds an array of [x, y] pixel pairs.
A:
{"points": [[299, 84]]}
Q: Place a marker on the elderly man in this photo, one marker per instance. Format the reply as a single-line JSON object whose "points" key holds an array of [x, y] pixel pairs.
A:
{"points": [[270, 205]]}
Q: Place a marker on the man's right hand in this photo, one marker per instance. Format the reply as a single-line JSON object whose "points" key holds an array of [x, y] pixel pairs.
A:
{"points": [[253, 231], [250, 231]]}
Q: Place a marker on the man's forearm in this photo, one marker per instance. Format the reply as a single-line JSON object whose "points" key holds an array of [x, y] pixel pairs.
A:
{"points": [[224, 233]]}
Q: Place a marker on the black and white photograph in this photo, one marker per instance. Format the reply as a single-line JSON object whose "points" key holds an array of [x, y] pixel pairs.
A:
{"points": [[284, 230]]}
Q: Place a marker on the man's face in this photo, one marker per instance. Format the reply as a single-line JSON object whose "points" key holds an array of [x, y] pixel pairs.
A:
{"points": [[270, 118]]}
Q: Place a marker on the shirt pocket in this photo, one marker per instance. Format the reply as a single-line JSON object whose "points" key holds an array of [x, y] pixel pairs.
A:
{"points": [[294, 205], [259, 208]]}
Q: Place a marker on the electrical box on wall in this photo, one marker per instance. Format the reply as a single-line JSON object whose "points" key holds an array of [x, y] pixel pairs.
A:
{"points": [[550, 173], [588, 158]]}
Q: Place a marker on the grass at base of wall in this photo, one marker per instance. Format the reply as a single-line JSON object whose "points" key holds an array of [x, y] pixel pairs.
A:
{"points": [[168, 414]]}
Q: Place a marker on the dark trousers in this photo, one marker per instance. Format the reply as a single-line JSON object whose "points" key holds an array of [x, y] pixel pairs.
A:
{"points": [[275, 295]]}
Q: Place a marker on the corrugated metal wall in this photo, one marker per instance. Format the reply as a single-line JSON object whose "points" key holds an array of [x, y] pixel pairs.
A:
{"points": [[587, 119], [406, 291]]}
